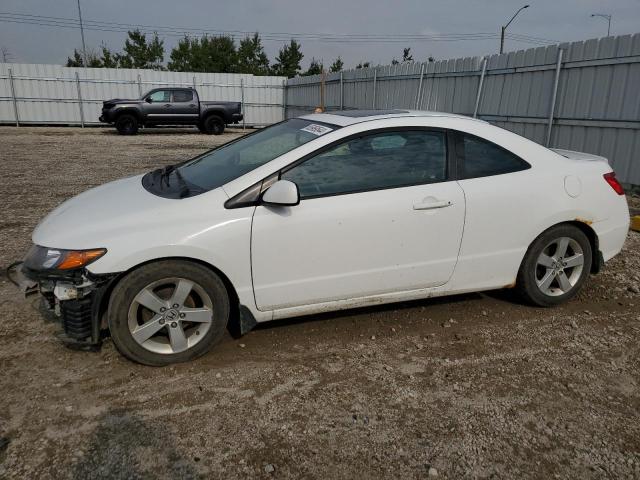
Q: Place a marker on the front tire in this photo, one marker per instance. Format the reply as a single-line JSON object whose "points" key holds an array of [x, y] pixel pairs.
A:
{"points": [[555, 266], [168, 312], [213, 125], [127, 124]]}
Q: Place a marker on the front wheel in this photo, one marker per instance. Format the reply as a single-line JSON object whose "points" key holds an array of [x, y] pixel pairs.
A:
{"points": [[127, 124], [168, 312], [555, 267]]}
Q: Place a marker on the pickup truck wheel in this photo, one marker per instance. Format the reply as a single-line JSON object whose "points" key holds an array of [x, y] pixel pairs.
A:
{"points": [[167, 312], [213, 125], [127, 124]]}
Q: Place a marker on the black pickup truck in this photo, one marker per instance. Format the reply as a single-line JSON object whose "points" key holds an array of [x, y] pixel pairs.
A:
{"points": [[170, 106]]}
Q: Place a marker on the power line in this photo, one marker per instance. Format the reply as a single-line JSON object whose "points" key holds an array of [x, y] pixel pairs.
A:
{"points": [[61, 22]]}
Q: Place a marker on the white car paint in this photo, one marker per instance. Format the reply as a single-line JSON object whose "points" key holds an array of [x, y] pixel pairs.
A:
{"points": [[357, 249]]}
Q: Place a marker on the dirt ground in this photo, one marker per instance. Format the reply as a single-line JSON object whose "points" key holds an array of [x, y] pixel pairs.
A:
{"points": [[473, 386]]}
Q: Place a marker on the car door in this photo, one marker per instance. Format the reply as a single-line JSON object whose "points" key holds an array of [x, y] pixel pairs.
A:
{"points": [[158, 105], [378, 214], [184, 106]]}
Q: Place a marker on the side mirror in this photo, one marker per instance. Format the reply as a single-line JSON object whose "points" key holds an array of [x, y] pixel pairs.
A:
{"points": [[148, 100], [283, 193]]}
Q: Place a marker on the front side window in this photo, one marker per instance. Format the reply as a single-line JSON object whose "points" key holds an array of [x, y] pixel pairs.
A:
{"points": [[182, 95], [384, 160], [161, 96], [481, 158]]}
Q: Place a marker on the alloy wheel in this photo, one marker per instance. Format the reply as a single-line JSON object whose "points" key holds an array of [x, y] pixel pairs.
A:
{"points": [[170, 315], [559, 266]]}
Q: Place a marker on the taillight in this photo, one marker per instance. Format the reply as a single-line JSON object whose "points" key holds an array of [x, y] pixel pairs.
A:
{"points": [[613, 181]]}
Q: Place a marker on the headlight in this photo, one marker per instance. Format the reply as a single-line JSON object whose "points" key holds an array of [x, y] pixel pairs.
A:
{"points": [[44, 258]]}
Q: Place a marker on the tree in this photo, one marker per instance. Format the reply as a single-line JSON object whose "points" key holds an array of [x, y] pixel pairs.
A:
{"points": [[182, 55], [315, 68], [216, 54], [108, 59], [363, 65], [406, 55], [208, 54], [140, 53], [337, 65], [288, 60], [251, 56], [93, 60], [76, 61]]}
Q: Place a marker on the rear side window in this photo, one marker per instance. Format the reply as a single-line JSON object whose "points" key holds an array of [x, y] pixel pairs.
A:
{"points": [[389, 159], [481, 158], [182, 96]]}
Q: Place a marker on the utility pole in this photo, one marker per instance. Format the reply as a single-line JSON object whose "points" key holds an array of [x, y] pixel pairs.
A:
{"points": [[503, 29], [84, 47], [607, 18]]}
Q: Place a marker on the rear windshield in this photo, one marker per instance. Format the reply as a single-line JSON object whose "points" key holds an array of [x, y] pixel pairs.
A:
{"points": [[228, 162]]}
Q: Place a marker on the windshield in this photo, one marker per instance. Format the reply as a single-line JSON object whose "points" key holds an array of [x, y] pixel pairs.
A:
{"points": [[228, 162]]}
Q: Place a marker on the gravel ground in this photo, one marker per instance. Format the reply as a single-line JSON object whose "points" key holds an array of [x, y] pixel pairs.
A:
{"points": [[472, 386]]}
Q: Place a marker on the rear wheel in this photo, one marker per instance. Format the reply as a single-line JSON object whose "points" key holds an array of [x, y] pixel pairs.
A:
{"points": [[168, 312], [127, 124], [555, 267], [213, 125]]}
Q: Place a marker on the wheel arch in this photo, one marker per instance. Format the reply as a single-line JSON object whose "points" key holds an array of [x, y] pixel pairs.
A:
{"points": [[128, 111], [234, 301], [213, 112], [585, 227]]}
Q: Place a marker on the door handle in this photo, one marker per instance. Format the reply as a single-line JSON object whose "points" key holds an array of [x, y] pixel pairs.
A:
{"points": [[430, 205], [193, 105]]}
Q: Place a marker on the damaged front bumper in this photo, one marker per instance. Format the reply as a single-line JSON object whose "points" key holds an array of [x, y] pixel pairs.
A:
{"points": [[76, 298]]}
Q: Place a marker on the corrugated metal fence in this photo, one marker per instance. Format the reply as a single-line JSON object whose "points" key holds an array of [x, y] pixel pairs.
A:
{"points": [[580, 96], [54, 94]]}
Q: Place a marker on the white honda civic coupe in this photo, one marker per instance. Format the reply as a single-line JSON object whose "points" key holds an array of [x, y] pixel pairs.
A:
{"points": [[320, 213]]}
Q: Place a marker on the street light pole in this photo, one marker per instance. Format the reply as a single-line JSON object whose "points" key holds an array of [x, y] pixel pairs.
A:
{"points": [[503, 29], [607, 18], [84, 47]]}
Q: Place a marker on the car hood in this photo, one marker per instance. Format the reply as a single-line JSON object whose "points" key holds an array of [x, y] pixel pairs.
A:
{"points": [[85, 220]]}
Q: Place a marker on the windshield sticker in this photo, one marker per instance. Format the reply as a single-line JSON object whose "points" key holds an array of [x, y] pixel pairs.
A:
{"points": [[317, 129]]}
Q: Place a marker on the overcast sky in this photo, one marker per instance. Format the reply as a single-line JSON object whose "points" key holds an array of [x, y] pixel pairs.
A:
{"points": [[564, 20]]}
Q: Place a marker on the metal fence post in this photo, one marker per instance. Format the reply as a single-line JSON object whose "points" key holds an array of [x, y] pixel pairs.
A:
{"points": [[194, 82], [139, 86], [13, 98], [375, 82], [341, 91], [80, 100], [284, 99], [552, 108], [420, 87], [479, 94], [242, 102]]}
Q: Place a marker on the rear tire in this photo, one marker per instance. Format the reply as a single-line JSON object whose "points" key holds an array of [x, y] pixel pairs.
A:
{"points": [[167, 312], [213, 125], [127, 124], [555, 267]]}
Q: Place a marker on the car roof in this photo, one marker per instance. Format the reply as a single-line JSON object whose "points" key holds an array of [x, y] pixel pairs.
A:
{"points": [[350, 117]]}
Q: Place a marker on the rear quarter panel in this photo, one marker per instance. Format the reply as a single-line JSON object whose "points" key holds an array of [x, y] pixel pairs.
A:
{"points": [[505, 213]]}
